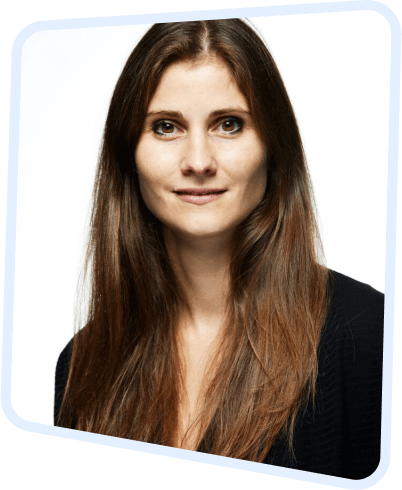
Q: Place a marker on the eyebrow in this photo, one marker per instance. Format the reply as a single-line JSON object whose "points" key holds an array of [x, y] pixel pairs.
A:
{"points": [[217, 113]]}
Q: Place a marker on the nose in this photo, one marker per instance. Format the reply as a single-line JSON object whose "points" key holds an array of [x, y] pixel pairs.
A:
{"points": [[198, 158]]}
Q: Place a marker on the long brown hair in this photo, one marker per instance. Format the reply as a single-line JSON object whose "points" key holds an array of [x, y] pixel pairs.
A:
{"points": [[125, 375]]}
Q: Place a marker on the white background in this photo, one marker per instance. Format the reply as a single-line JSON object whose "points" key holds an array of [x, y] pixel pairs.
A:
{"points": [[339, 87]]}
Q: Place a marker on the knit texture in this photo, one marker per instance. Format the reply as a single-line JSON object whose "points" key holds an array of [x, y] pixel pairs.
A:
{"points": [[341, 434]]}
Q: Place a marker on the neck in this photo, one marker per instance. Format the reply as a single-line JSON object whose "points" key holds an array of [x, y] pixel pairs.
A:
{"points": [[201, 266]]}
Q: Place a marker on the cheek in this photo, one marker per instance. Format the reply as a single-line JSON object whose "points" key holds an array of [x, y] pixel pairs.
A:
{"points": [[149, 169], [150, 188], [260, 167], [147, 177], [155, 161], [254, 191], [252, 175], [259, 180]]}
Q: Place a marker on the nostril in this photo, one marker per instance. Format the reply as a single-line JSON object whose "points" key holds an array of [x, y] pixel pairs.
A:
{"points": [[206, 171]]}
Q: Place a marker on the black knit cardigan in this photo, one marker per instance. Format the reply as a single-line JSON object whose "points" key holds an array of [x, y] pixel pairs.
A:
{"points": [[341, 436]]}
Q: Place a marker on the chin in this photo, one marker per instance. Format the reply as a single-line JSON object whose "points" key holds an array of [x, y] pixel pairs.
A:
{"points": [[206, 231]]}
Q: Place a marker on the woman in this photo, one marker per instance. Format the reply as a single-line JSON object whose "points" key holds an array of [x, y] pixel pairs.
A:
{"points": [[211, 325]]}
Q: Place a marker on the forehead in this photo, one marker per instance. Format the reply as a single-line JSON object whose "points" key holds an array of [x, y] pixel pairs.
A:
{"points": [[203, 83]]}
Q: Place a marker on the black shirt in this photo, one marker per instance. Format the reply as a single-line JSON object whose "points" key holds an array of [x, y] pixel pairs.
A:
{"points": [[341, 436]]}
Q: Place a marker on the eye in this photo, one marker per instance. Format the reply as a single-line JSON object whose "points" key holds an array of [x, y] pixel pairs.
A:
{"points": [[164, 128], [231, 125]]}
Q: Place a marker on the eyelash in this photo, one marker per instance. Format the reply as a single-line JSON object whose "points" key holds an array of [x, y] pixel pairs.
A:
{"points": [[157, 125]]}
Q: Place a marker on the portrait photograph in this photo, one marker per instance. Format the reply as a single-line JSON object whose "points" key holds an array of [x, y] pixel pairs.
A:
{"points": [[202, 235]]}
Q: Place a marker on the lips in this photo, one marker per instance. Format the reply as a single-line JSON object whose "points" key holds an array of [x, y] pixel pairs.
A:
{"points": [[199, 196], [199, 192]]}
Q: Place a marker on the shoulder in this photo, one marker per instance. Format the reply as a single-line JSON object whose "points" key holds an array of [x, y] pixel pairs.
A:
{"points": [[354, 329], [61, 376], [63, 360], [354, 303], [349, 381], [350, 294], [62, 372]]}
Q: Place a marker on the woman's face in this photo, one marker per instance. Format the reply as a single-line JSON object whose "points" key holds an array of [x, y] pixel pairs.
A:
{"points": [[201, 164]]}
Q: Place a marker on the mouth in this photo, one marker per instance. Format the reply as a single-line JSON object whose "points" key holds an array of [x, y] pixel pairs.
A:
{"points": [[199, 196], [199, 192]]}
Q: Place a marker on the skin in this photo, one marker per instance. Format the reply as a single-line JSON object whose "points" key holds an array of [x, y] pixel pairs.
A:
{"points": [[185, 144]]}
